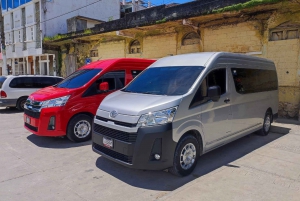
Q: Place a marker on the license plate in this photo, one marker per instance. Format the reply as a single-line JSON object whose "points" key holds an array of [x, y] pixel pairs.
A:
{"points": [[28, 120], [108, 142]]}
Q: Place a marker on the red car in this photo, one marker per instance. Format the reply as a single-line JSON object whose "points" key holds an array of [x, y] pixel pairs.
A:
{"points": [[68, 108]]}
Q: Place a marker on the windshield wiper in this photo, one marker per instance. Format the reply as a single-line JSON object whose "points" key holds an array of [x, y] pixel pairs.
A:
{"points": [[125, 90], [150, 92]]}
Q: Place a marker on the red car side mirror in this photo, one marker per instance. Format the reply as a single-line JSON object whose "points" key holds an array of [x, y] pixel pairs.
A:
{"points": [[104, 86]]}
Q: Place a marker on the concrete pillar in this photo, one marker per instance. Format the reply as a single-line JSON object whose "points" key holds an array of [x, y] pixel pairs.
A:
{"points": [[48, 65], [28, 66], [40, 64], [34, 66], [54, 65], [13, 66]]}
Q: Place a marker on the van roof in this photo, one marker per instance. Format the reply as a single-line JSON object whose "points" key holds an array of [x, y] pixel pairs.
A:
{"points": [[199, 59], [108, 62], [8, 76]]}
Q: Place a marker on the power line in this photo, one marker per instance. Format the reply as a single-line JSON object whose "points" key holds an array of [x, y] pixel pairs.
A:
{"points": [[71, 11]]}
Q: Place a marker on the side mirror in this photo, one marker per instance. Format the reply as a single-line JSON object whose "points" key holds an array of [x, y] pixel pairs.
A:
{"points": [[104, 86], [214, 93]]}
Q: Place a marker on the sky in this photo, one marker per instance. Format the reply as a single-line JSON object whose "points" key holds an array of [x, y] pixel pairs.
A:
{"points": [[159, 2]]}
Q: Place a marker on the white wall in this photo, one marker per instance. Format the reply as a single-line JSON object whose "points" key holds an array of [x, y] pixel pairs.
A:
{"points": [[102, 10]]}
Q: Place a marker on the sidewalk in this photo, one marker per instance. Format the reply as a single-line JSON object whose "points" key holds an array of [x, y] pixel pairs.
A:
{"points": [[270, 172]]}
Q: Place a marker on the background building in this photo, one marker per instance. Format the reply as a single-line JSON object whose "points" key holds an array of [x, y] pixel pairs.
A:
{"points": [[27, 22]]}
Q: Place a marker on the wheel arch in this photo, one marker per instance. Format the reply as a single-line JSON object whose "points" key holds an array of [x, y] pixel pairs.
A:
{"points": [[197, 135], [20, 99], [79, 113]]}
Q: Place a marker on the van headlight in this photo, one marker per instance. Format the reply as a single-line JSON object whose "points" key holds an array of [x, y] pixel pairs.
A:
{"points": [[157, 118], [56, 102]]}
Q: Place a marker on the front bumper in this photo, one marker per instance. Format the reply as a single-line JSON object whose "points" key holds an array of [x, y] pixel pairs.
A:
{"points": [[139, 154], [39, 121], [8, 102]]}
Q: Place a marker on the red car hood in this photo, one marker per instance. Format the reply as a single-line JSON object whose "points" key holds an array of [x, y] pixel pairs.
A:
{"points": [[50, 93]]}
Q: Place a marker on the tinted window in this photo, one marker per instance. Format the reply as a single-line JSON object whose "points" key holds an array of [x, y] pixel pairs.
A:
{"points": [[114, 80], [2, 79], [254, 80], [33, 82], [22, 82], [214, 78], [165, 80], [78, 78], [42, 82]]}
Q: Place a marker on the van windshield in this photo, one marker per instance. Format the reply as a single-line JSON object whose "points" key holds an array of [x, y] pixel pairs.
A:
{"points": [[78, 78], [2, 79], [170, 81]]}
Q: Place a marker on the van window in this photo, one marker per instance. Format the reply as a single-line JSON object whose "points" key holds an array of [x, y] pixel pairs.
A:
{"points": [[78, 78], [214, 78], [169, 81], [22, 82], [254, 80], [2, 79], [114, 80], [42, 82]]}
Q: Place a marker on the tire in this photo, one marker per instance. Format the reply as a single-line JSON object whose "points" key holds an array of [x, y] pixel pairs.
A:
{"points": [[80, 128], [180, 168], [20, 103], [264, 131]]}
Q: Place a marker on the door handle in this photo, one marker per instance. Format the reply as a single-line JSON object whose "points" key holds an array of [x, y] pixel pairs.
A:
{"points": [[226, 100]]}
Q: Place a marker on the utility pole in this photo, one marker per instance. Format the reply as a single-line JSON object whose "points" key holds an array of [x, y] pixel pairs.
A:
{"points": [[3, 47]]}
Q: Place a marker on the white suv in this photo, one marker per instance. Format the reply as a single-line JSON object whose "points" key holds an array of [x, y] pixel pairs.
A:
{"points": [[14, 90]]}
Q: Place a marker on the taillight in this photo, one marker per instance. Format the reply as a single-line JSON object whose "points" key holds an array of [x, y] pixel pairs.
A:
{"points": [[3, 94]]}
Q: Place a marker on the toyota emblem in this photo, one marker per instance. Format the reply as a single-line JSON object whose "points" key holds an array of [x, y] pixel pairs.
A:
{"points": [[113, 114]]}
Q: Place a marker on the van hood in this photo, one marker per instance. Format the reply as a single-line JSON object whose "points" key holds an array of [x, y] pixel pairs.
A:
{"points": [[49, 93], [137, 104]]}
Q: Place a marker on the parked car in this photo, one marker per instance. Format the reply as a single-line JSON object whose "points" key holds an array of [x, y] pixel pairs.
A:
{"points": [[69, 107], [14, 90], [184, 106]]}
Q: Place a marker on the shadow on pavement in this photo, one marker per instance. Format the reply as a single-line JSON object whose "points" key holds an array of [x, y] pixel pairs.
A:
{"points": [[55, 142], [163, 181], [9, 110]]}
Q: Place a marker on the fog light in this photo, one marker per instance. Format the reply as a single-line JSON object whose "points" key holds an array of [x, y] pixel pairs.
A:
{"points": [[157, 156], [51, 125]]}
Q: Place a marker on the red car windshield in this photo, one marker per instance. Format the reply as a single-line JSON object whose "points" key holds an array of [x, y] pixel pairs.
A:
{"points": [[78, 78]]}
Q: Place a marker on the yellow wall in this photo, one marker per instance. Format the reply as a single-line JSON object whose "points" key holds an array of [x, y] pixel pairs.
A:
{"points": [[159, 46], [241, 38], [113, 49]]}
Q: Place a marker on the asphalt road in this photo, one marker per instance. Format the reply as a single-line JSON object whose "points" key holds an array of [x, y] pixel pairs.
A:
{"points": [[42, 168]]}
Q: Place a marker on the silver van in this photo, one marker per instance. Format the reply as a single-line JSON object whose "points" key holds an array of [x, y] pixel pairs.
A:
{"points": [[184, 106]]}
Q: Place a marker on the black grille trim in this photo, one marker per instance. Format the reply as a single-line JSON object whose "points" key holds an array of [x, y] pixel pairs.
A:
{"points": [[32, 114], [116, 122], [31, 127], [112, 153], [115, 134]]}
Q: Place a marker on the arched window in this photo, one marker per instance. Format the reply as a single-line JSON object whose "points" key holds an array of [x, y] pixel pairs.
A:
{"points": [[135, 47], [191, 39]]}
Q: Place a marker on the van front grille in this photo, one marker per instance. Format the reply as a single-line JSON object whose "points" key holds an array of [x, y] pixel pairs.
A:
{"points": [[112, 153], [32, 114], [115, 134], [130, 125]]}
